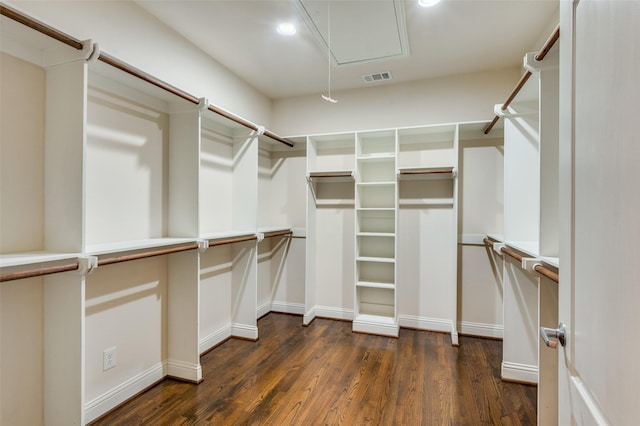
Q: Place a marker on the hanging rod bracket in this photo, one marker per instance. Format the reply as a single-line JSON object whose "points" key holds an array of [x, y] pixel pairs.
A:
{"points": [[260, 236], [203, 245], [63, 55], [259, 131], [86, 265], [497, 247], [529, 263], [533, 65]]}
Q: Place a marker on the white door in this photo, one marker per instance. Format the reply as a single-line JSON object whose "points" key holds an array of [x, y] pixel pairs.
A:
{"points": [[599, 368]]}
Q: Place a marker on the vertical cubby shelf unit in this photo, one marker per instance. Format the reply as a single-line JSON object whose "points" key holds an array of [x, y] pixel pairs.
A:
{"points": [[531, 171], [395, 191], [375, 299], [140, 214]]}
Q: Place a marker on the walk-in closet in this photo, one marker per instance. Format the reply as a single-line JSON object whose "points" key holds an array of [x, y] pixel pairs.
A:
{"points": [[162, 192]]}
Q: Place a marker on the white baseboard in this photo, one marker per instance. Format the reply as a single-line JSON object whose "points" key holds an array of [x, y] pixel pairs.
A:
{"points": [[287, 308], [184, 370], [116, 396], [214, 338], [244, 331], [333, 313], [263, 310], [309, 316], [481, 330], [425, 323], [374, 327], [524, 373]]}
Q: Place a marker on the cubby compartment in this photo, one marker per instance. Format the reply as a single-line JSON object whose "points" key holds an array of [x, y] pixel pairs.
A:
{"points": [[376, 270], [376, 246], [376, 222], [374, 195], [331, 152], [427, 147], [376, 304], [377, 144], [381, 170]]}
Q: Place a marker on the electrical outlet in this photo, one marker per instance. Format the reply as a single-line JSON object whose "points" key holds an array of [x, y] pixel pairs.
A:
{"points": [[108, 358]]}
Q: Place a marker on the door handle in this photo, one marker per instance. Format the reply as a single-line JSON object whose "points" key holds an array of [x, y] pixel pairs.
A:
{"points": [[553, 333]]}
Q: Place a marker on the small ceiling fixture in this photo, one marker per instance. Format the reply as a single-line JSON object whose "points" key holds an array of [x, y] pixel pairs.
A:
{"points": [[427, 3], [286, 29]]}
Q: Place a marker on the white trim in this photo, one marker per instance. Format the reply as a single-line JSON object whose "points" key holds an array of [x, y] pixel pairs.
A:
{"points": [[287, 308], [519, 372], [214, 338], [333, 313], [375, 327], [585, 404], [119, 394], [244, 331], [424, 323], [309, 316], [481, 329], [184, 370], [263, 310]]}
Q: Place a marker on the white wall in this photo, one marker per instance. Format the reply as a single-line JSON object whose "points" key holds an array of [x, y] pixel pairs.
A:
{"points": [[450, 99], [128, 32]]}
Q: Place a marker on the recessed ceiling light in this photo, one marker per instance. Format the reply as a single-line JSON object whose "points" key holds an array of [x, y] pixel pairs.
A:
{"points": [[427, 3], [286, 28]]}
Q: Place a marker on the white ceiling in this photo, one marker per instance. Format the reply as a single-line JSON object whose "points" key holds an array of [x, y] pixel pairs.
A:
{"points": [[453, 37]]}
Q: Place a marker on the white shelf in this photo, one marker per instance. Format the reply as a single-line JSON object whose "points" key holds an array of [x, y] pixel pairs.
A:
{"points": [[371, 284], [531, 248], [551, 261], [376, 184], [215, 236], [126, 246], [376, 259], [378, 209], [377, 157], [376, 234], [33, 258]]}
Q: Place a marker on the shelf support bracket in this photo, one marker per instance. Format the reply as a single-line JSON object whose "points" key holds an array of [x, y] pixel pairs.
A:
{"points": [[86, 265], [497, 248]]}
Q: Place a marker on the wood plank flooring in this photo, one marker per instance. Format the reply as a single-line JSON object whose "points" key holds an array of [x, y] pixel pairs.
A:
{"points": [[326, 375]]}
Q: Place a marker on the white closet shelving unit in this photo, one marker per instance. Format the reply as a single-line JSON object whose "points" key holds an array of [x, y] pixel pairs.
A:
{"points": [[329, 245], [375, 299], [427, 171], [151, 198], [531, 229], [395, 190]]}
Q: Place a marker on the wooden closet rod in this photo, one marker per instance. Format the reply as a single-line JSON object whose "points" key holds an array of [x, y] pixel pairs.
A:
{"points": [[107, 59], [39, 272], [126, 258], [248, 124], [40, 27], [546, 47], [232, 240], [543, 270], [277, 234]]}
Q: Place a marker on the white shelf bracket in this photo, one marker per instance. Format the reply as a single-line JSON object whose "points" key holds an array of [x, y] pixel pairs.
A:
{"points": [[95, 51], [529, 263], [203, 245], [497, 247], [87, 264], [260, 236], [203, 104], [534, 66]]}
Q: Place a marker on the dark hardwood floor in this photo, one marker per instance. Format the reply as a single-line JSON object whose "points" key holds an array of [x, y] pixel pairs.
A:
{"points": [[326, 375]]}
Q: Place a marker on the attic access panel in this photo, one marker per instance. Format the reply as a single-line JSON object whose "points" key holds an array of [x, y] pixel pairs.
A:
{"points": [[361, 31]]}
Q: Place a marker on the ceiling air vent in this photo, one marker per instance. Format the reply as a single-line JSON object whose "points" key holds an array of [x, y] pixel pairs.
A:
{"points": [[379, 76]]}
